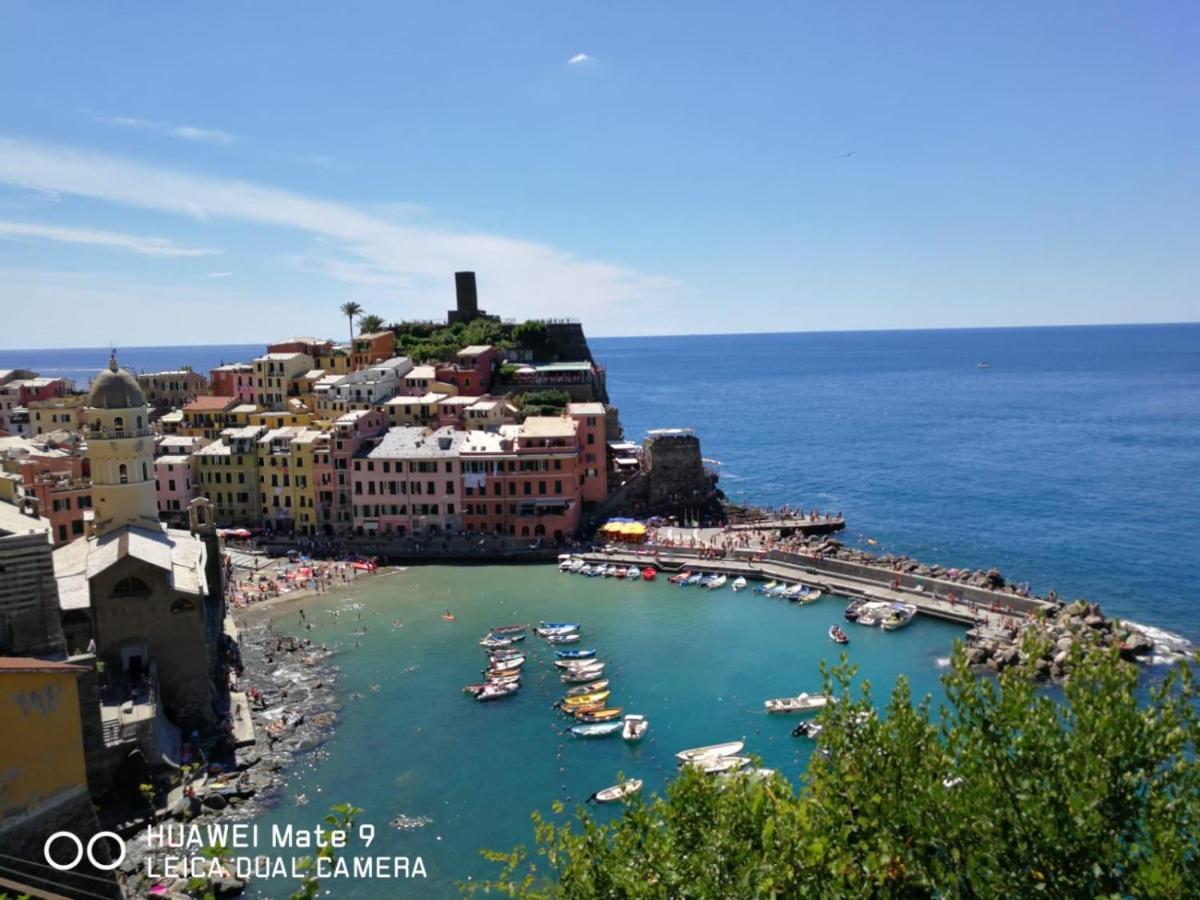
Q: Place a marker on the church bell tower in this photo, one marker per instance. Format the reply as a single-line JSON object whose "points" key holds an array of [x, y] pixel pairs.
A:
{"points": [[121, 449]]}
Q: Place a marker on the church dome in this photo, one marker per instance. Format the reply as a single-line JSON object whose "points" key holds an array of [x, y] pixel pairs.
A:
{"points": [[114, 388]]}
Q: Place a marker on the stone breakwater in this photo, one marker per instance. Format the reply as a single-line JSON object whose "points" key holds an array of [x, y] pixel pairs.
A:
{"points": [[1045, 645], [289, 684]]}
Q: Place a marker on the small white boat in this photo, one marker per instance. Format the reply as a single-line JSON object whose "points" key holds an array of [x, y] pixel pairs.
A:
{"points": [[492, 642], [812, 595], [496, 691], [730, 748], [799, 703], [617, 791], [757, 774], [898, 616], [739, 583], [577, 565], [510, 662], [635, 727], [548, 628], [795, 592], [595, 729], [564, 562], [572, 638], [576, 664], [696, 579], [767, 588], [716, 582], [633, 573], [582, 676], [714, 765]]}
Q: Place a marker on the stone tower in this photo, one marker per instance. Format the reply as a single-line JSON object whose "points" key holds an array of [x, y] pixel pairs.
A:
{"points": [[121, 450]]}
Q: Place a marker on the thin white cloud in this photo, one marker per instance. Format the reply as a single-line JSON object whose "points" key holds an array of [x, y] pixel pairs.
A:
{"points": [[219, 274], [356, 247], [203, 135], [580, 59], [186, 132], [146, 246]]}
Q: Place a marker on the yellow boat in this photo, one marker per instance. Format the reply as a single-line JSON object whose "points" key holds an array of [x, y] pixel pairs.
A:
{"points": [[600, 715], [584, 699], [586, 708]]}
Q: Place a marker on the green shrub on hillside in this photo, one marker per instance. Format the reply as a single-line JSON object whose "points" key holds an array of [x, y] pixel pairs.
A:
{"points": [[1002, 791]]}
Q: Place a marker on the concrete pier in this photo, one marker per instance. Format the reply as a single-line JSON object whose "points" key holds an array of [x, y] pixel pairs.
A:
{"points": [[973, 607]]}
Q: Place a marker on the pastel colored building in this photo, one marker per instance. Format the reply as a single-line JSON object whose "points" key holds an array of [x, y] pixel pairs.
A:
{"points": [[173, 389], [369, 349], [227, 475], [207, 417], [366, 387], [351, 432], [64, 413], [523, 480], [275, 376], [409, 483], [233, 380], [175, 487], [276, 479], [60, 483], [591, 424], [471, 371], [310, 465], [406, 410], [18, 392], [423, 380]]}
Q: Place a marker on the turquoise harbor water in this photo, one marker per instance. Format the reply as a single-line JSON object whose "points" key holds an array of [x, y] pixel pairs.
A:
{"points": [[697, 663]]}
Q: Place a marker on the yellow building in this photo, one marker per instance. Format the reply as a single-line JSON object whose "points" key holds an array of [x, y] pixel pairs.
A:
{"points": [[56, 414], [227, 475], [279, 494], [273, 420], [39, 703], [309, 448], [275, 377]]}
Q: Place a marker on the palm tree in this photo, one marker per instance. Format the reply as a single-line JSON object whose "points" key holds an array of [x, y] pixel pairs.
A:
{"points": [[351, 310], [370, 324]]}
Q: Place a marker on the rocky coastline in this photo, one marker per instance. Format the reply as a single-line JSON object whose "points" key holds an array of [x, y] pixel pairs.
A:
{"points": [[290, 687]]}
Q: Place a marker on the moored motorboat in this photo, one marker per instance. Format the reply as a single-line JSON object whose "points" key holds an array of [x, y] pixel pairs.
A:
{"points": [[577, 564], [695, 579], [799, 704], [715, 765], [795, 592], [569, 638], [496, 692], [564, 562], [588, 688], [506, 662], [509, 629], [617, 572], [649, 573], [599, 715], [739, 583], [583, 699], [595, 571], [574, 654], [838, 635], [505, 653], [729, 748], [490, 642], [680, 577], [500, 673], [585, 569], [635, 727], [716, 582], [633, 574], [548, 628], [766, 588], [898, 616], [779, 590], [852, 611], [582, 676], [474, 689], [617, 791], [575, 664], [578, 711], [595, 729], [811, 596], [809, 729]]}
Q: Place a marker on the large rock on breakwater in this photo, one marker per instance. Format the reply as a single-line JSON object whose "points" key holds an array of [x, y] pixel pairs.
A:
{"points": [[1045, 645]]}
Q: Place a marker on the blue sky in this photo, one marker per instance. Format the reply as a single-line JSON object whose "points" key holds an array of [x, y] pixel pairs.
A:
{"points": [[650, 168]]}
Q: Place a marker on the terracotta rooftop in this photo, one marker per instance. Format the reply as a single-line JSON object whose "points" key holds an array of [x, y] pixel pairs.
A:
{"points": [[210, 404]]}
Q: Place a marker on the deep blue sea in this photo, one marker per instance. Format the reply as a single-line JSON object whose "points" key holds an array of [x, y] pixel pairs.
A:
{"points": [[1073, 462]]}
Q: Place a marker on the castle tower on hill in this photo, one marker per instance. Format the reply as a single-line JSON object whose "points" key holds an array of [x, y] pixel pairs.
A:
{"points": [[121, 448]]}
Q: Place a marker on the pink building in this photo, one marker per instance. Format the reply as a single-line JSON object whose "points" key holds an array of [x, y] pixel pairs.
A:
{"points": [[523, 480], [233, 380], [350, 433], [409, 483], [175, 486], [591, 426], [471, 371]]}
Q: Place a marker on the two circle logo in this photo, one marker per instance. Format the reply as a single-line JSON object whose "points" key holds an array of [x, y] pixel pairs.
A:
{"points": [[80, 850]]}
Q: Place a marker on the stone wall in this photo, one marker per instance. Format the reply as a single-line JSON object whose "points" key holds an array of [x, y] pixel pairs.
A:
{"points": [[675, 470], [29, 616]]}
